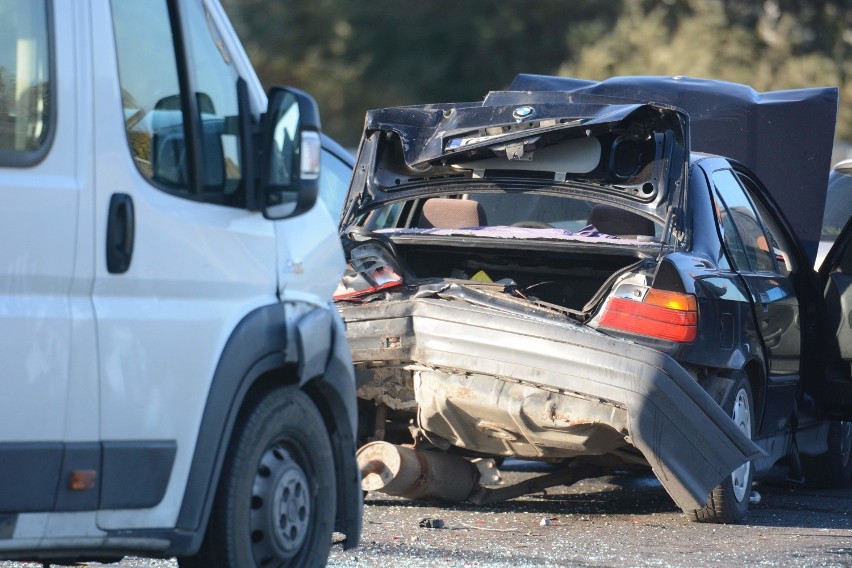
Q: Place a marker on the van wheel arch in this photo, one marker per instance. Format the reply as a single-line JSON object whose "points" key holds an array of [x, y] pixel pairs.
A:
{"points": [[258, 356], [279, 481]]}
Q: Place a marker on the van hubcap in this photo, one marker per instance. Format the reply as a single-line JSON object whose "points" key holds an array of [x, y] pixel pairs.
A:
{"points": [[281, 506]]}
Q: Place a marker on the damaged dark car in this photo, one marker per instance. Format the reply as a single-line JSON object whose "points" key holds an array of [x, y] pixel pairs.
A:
{"points": [[600, 276]]}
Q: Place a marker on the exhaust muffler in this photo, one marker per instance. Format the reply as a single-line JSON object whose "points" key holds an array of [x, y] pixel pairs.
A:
{"points": [[407, 472]]}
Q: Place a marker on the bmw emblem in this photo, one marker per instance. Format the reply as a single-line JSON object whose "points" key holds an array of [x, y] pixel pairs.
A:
{"points": [[523, 112]]}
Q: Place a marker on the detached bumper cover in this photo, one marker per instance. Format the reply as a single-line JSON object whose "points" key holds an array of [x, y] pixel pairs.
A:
{"points": [[478, 357]]}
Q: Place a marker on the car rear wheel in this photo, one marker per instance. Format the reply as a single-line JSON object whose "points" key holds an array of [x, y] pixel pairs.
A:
{"points": [[840, 454], [276, 500], [728, 502], [833, 469]]}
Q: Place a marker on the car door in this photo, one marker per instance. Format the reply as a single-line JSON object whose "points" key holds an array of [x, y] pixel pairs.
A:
{"points": [[180, 259], [835, 397], [762, 258]]}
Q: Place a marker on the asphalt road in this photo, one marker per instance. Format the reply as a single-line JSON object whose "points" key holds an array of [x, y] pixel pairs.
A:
{"points": [[622, 520], [609, 521]]}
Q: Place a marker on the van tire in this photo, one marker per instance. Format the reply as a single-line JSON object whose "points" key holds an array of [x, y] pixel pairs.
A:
{"points": [[729, 501], [276, 500]]}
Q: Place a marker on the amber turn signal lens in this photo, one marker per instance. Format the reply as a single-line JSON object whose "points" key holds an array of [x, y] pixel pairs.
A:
{"points": [[82, 479]]}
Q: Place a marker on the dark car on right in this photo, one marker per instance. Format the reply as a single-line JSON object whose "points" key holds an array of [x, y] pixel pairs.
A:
{"points": [[608, 275], [838, 206]]}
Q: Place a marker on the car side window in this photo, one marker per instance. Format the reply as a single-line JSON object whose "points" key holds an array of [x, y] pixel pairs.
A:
{"points": [[838, 202], [387, 216], [780, 246], [743, 232], [25, 82], [157, 117], [730, 236]]}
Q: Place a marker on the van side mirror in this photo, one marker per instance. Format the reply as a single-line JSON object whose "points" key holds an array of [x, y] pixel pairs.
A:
{"points": [[290, 154]]}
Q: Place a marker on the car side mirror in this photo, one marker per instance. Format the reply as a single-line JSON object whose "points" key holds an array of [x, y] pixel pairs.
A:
{"points": [[290, 154]]}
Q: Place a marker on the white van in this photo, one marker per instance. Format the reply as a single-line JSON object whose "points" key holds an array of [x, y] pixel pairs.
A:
{"points": [[175, 381]]}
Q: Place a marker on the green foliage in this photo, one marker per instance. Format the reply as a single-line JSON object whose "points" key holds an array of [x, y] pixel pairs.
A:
{"points": [[353, 56], [4, 94]]}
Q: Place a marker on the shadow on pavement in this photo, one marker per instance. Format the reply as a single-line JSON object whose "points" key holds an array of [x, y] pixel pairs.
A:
{"points": [[782, 504]]}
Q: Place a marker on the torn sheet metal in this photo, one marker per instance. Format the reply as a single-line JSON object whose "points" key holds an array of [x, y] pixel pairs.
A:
{"points": [[542, 380], [429, 132]]}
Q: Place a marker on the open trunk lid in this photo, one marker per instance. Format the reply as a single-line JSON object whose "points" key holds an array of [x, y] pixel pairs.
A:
{"points": [[627, 150]]}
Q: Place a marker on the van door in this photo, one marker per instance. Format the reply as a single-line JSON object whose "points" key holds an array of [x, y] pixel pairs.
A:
{"points": [[48, 403], [181, 260]]}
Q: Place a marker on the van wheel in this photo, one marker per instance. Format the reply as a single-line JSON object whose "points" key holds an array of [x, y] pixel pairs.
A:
{"points": [[833, 469], [275, 504], [728, 502]]}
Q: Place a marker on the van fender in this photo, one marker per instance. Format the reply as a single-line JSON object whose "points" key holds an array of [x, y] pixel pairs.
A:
{"points": [[293, 343]]}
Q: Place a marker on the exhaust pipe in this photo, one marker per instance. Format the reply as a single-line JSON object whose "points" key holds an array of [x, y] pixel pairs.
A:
{"points": [[403, 471]]}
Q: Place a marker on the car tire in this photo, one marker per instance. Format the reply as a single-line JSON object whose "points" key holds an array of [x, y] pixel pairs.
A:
{"points": [[833, 469], [276, 500], [729, 501]]}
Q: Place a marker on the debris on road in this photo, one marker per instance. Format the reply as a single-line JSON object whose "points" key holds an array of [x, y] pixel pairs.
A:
{"points": [[431, 524]]}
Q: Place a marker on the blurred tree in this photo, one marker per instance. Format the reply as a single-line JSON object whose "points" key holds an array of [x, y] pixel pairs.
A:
{"points": [[4, 95], [771, 45], [355, 56]]}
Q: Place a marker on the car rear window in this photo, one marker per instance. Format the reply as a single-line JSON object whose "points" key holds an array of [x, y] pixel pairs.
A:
{"points": [[516, 215]]}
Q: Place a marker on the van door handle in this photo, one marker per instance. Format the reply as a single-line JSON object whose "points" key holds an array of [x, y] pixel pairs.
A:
{"points": [[120, 233]]}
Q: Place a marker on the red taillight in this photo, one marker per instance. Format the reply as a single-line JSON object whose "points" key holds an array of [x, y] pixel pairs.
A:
{"points": [[366, 291], [661, 314], [373, 280]]}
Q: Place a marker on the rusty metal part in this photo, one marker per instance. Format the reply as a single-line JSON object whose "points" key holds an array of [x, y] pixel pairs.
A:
{"points": [[502, 418], [391, 386], [565, 476], [380, 422], [415, 474]]}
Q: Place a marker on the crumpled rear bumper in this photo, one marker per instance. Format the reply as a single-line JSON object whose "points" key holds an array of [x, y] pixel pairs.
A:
{"points": [[503, 381]]}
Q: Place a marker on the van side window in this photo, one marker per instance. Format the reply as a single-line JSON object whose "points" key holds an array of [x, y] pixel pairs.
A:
{"points": [[150, 92], [25, 103], [155, 70], [214, 79]]}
